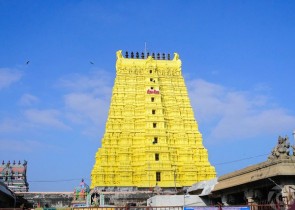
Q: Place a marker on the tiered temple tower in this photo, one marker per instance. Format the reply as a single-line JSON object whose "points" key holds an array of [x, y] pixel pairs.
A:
{"points": [[14, 176], [151, 135]]}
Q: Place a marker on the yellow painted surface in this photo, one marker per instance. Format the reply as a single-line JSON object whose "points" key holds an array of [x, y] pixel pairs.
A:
{"points": [[150, 129]]}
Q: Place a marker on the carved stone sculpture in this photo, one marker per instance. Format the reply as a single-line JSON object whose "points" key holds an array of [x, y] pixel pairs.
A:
{"points": [[282, 149]]}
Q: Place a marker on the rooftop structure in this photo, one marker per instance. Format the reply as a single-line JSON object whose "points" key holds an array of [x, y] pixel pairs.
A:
{"points": [[14, 176], [272, 181], [81, 193]]}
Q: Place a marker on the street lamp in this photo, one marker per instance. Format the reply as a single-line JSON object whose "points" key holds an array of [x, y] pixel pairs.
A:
{"points": [[174, 174], [294, 136]]}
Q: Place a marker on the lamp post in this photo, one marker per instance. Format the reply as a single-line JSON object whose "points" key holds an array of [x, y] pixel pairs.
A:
{"points": [[174, 175], [294, 136], [149, 173]]}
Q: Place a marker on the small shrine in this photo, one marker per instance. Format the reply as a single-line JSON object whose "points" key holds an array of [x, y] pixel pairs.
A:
{"points": [[14, 175], [81, 193]]}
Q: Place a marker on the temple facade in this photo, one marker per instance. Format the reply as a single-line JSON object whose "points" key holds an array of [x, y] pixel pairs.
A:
{"points": [[14, 176], [151, 136]]}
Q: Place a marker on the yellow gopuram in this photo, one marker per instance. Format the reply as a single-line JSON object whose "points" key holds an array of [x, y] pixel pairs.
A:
{"points": [[151, 135]]}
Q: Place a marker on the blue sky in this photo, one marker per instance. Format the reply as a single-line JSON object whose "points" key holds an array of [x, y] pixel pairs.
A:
{"points": [[238, 62]]}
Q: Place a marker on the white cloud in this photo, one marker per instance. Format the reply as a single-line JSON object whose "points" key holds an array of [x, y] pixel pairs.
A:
{"points": [[87, 102], [86, 106], [8, 76], [49, 117], [9, 125], [234, 114], [28, 100], [97, 82]]}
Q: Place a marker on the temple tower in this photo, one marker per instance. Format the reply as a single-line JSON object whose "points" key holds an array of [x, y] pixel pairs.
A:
{"points": [[151, 135], [14, 176]]}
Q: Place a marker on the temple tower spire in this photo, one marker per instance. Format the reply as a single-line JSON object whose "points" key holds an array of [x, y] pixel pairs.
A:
{"points": [[151, 135]]}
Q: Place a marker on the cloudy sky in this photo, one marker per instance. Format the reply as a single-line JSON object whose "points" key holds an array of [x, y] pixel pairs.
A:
{"points": [[238, 63]]}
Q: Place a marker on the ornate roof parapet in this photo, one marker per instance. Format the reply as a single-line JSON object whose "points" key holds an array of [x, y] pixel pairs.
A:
{"points": [[142, 55], [282, 149], [143, 63], [14, 166]]}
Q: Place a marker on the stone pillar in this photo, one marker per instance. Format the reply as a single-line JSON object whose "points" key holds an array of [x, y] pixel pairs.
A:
{"points": [[224, 200], [250, 200], [249, 195], [288, 194]]}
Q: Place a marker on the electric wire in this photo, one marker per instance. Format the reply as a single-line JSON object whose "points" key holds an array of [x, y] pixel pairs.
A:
{"points": [[238, 160], [223, 163], [61, 180]]}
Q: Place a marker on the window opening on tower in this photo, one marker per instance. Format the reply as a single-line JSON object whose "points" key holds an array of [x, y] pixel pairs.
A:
{"points": [[151, 71], [155, 140], [157, 157], [154, 125], [152, 99], [153, 111], [158, 176]]}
